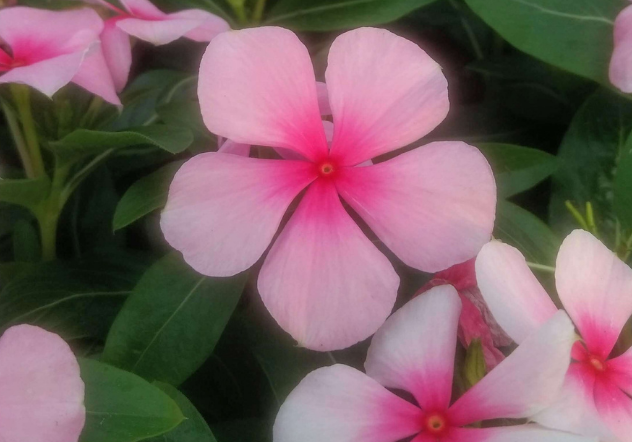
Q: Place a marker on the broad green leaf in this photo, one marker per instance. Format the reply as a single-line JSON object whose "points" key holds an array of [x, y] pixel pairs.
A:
{"points": [[587, 160], [327, 15], [623, 187], [123, 407], [74, 300], [172, 321], [525, 231], [193, 429], [574, 35], [144, 196], [517, 168], [27, 193], [83, 142], [26, 242]]}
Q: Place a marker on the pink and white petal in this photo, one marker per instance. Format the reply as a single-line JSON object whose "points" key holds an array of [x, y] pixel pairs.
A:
{"points": [[414, 349], [208, 25], [257, 86], [41, 391], [157, 32], [46, 76], [615, 408], [516, 433], [324, 281], [620, 371], [384, 91], [5, 60], [594, 286], [117, 50], [95, 76], [229, 146], [341, 404], [143, 9], [223, 210], [517, 300], [574, 410], [621, 62], [525, 383], [433, 206], [323, 100]]}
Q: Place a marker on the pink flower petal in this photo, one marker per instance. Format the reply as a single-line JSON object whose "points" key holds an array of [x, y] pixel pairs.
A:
{"points": [[341, 404], [516, 433], [117, 50], [595, 287], [94, 76], [157, 32], [620, 371], [615, 408], [324, 281], [414, 349], [257, 86], [574, 410], [41, 391], [621, 61], [223, 210], [143, 9], [385, 92], [323, 100], [208, 27], [229, 146], [433, 206], [526, 382], [512, 293]]}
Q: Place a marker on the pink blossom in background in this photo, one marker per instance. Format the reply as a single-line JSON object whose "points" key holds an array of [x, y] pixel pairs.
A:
{"points": [[414, 351], [323, 280], [621, 61], [476, 321], [49, 49], [141, 19], [41, 391], [595, 288]]}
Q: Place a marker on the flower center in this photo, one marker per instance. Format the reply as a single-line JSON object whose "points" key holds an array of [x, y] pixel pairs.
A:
{"points": [[326, 169], [597, 363], [435, 423]]}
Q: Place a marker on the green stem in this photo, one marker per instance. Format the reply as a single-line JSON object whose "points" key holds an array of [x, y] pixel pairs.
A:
{"points": [[21, 94], [91, 112], [18, 138], [239, 9], [257, 13], [541, 267], [48, 216]]}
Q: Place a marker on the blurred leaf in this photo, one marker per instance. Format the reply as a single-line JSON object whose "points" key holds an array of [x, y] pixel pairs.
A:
{"points": [[11, 270], [172, 321], [183, 113], [327, 15], [587, 160], [122, 407], [474, 367], [526, 232], [247, 430], [517, 168], [26, 243], [623, 187], [217, 7], [574, 35], [193, 429], [27, 193], [144, 196]]}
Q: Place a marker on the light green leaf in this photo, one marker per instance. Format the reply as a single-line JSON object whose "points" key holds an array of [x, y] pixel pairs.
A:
{"points": [[122, 407], [27, 193]]}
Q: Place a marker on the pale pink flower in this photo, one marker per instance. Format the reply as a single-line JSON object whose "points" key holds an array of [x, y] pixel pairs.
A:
{"points": [[476, 321], [323, 280], [621, 61], [41, 392], [49, 49], [414, 351], [141, 19], [595, 288]]}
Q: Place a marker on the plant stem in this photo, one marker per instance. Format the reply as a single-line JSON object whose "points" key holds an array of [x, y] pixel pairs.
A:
{"points": [[48, 217], [21, 94], [541, 267], [18, 139], [257, 13], [239, 9]]}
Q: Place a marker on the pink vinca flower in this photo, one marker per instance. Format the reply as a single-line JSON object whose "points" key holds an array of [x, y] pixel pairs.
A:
{"points": [[476, 321], [141, 19], [323, 280], [41, 392], [49, 49], [621, 61], [414, 351], [595, 287]]}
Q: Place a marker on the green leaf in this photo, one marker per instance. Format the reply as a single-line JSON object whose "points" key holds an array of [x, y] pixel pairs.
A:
{"points": [[474, 367], [246, 430], [122, 407], [144, 196], [327, 15], [172, 321], [517, 168], [623, 187], [84, 142], [525, 231], [193, 429], [27, 193], [26, 243], [573, 35]]}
